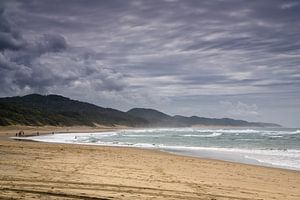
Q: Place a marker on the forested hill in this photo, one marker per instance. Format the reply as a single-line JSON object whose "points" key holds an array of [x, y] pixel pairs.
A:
{"points": [[157, 118], [57, 110], [38, 110]]}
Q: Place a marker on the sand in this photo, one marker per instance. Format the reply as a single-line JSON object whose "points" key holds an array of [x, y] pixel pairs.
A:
{"points": [[10, 131], [32, 170]]}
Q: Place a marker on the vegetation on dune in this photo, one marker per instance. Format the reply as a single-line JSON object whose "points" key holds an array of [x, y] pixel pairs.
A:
{"points": [[38, 110], [57, 110], [157, 118]]}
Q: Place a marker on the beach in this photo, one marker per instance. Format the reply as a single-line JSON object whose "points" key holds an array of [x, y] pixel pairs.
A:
{"points": [[35, 170]]}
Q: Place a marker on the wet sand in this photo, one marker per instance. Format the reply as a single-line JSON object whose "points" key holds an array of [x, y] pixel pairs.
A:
{"points": [[32, 170]]}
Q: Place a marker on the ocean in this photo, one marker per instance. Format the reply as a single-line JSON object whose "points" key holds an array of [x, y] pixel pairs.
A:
{"points": [[273, 147]]}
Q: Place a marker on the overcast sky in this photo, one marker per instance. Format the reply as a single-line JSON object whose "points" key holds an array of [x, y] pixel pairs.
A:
{"points": [[212, 58]]}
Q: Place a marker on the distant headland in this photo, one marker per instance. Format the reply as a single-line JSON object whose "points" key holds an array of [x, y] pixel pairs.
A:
{"points": [[56, 110]]}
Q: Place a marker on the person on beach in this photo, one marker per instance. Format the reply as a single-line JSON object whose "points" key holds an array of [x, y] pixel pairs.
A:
{"points": [[21, 133]]}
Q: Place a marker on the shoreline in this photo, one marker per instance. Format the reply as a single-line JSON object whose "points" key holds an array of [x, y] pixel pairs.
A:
{"points": [[10, 131], [39, 170], [253, 163], [206, 153], [159, 151]]}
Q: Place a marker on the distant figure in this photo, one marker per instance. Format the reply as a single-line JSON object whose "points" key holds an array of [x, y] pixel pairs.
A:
{"points": [[52, 133], [16, 134], [21, 133], [37, 133]]}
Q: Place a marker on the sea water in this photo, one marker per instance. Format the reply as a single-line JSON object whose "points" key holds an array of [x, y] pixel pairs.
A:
{"points": [[277, 147]]}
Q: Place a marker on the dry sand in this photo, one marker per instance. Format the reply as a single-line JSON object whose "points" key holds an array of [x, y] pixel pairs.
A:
{"points": [[32, 170]]}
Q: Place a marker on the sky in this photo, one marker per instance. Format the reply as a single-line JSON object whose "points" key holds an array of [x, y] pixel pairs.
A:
{"points": [[211, 58]]}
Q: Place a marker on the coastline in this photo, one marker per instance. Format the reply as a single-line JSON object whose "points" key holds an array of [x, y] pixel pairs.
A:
{"points": [[30, 169], [10, 131], [269, 157]]}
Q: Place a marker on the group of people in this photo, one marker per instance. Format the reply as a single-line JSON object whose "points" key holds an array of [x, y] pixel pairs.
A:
{"points": [[21, 133]]}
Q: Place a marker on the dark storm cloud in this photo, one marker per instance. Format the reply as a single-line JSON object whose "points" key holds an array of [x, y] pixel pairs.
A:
{"points": [[46, 62], [175, 48], [9, 38]]}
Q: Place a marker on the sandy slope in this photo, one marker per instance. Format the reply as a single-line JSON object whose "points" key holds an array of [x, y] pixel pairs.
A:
{"points": [[31, 170]]}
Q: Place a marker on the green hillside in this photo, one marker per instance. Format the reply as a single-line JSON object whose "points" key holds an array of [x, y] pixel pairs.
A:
{"points": [[157, 118], [55, 110]]}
